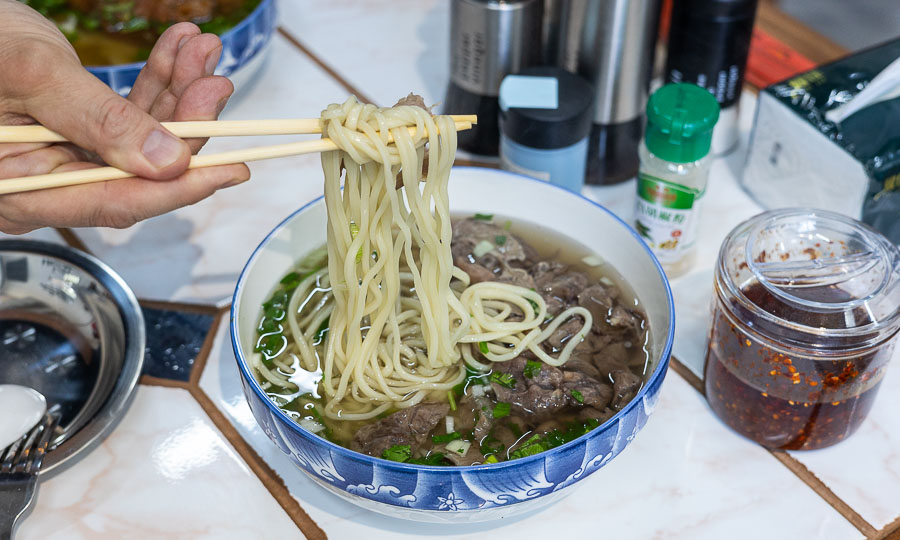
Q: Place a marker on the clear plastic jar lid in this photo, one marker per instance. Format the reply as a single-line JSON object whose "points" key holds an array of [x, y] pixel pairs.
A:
{"points": [[811, 278]]}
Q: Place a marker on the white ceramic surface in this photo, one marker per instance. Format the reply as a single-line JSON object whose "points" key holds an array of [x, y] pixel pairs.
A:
{"points": [[165, 472], [21, 408]]}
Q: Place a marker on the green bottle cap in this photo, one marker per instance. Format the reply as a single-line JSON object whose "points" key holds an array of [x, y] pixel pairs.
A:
{"points": [[680, 121]]}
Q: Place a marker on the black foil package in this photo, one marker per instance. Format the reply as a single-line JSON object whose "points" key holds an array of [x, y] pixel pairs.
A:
{"points": [[801, 154]]}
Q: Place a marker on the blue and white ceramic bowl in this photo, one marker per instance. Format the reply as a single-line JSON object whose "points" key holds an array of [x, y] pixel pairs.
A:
{"points": [[242, 49], [483, 492]]}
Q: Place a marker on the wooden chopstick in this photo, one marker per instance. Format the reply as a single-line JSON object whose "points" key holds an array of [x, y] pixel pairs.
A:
{"points": [[186, 130], [102, 174]]}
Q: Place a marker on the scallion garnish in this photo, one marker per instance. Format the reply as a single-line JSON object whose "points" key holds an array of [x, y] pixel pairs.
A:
{"points": [[491, 459], [484, 217], [398, 452], [482, 346], [441, 439], [506, 380], [451, 399], [499, 240], [532, 368], [501, 409], [577, 395]]}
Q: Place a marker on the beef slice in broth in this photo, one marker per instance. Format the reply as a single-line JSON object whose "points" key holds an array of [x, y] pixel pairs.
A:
{"points": [[408, 426]]}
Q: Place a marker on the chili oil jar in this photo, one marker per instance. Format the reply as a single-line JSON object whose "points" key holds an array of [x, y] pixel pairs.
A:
{"points": [[805, 311]]}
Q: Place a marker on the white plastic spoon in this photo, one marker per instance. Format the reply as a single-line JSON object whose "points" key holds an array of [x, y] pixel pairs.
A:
{"points": [[21, 408]]}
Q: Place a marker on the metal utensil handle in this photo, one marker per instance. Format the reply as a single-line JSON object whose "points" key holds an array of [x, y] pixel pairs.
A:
{"points": [[16, 495]]}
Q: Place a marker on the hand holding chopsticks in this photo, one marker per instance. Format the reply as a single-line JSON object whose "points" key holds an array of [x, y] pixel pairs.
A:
{"points": [[31, 134]]}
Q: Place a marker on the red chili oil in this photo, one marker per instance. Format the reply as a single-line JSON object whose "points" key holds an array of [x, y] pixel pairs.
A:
{"points": [[806, 309], [786, 399]]}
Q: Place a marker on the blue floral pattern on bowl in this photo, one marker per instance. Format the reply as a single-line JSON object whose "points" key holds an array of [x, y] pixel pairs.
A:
{"points": [[240, 45], [450, 494]]}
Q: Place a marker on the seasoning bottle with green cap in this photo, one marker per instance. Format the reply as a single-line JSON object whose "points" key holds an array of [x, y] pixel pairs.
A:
{"points": [[673, 172]]}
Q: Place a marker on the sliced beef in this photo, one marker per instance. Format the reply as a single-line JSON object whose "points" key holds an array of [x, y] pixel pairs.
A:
{"points": [[549, 390], [557, 284], [413, 100], [468, 233], [475, 414], [593, 393], [561, 336], [607, 311], [589, 413], [409, 426], [625, 386], [503, 263]]}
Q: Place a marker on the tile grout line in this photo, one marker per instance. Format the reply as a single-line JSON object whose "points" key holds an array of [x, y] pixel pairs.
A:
{"points": [[205, 350], [324, 66], [266, 475], [822, 490], [891, 531], [792, 464], [269, 478]]}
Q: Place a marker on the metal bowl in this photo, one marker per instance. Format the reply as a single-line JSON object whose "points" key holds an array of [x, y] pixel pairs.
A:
{"points": [[71, 329]]}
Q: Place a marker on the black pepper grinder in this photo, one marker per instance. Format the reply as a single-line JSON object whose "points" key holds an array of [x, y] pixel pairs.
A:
{"points": [[709, 41], [489, 39]]}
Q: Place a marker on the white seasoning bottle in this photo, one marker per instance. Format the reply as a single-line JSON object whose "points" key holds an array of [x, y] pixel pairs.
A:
{"points": [[673, 172]]}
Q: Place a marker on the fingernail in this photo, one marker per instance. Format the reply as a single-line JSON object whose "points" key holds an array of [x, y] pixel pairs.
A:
{"points": [[161, 149], [184, 40], [212, 59], [235, 182]]}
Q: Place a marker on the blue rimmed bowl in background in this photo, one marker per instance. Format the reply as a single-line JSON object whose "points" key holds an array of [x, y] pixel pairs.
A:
{"points": [[243, 50], [484, 492]]}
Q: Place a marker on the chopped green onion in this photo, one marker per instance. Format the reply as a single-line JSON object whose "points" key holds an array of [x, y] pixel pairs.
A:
{"points": [[460, 447], [482, 248], [491, 459], [499, 240], [506, 380], [501, 409], [483, 347], [532, 368], [577, 395], [435, 459], [441, 439], [507, 225], [484, 217], [592, 260], [398, 452], [451, 399]]}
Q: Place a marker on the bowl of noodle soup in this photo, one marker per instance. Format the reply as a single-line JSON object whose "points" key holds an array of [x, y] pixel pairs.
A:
{"points": [[463, 494], [342, 378]]}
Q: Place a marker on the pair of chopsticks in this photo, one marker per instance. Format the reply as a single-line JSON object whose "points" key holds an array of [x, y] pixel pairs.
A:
{"points": [[198, 129]]}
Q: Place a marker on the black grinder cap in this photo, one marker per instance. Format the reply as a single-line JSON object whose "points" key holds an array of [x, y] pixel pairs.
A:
{"points": [[552, 128]]}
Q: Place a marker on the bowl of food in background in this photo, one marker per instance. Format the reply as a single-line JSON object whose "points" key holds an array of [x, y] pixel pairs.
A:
{"points": [[579, 416], [113, 38]]}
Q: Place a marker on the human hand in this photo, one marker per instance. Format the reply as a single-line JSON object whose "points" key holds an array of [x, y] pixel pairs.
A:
{"points": [[42, 80]]}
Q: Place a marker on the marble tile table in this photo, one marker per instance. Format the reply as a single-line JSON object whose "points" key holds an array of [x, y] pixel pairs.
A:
{"points": [[189, 461]]}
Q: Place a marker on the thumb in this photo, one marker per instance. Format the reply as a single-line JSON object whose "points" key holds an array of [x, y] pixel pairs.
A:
{"points": [[87, 112]]}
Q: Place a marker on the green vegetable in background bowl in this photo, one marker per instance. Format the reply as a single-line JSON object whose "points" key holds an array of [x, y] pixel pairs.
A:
{"points": [[111, 32]]}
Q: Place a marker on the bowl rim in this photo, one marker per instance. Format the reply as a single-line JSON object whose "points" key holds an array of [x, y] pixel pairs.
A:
{"points": [[658, 372], [263, 4]]}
